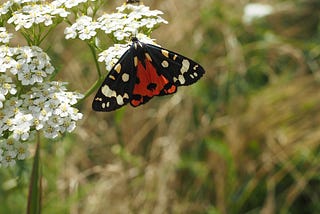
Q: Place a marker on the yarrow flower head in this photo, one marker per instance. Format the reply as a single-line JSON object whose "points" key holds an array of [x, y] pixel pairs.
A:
{"points": [[128, 21], [33, 14], [5, 7], [26, 1], [4, 35], [84, 28], [30, 102], [30, 64], [12, 150], [68, 3]]}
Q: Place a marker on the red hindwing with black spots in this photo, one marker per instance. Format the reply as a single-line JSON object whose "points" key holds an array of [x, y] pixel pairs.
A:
{"points": [[142, 72]]}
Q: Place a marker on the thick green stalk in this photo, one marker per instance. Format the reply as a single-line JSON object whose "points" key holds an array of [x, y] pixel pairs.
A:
{"points": [[35, 187]]}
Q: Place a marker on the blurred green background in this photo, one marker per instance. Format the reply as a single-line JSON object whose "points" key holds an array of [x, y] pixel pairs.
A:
{"points": [[244, 139]]}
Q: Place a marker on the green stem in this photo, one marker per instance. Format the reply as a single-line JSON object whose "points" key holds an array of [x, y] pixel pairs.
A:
{"points": [[96, 85], [26, 36], [35, 187], [34, 35], [99, 4], [47, 33], [94, 54], [38, 36]]}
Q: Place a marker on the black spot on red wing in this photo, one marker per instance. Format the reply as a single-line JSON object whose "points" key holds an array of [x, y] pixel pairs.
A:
{"points": [[152, 86], [168, 89], [136, 97], [137, 80], [139, 100]]}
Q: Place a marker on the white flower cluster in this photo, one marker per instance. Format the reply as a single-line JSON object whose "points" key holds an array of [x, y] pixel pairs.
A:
{"points": [[5, 7], [50, 106], [4, 35], [12, 150], [30, 64], [84, 27], [112, 55], [128, 21], [38, 11], [68, 3], [29, 102], [32, 14], [26, 1]]}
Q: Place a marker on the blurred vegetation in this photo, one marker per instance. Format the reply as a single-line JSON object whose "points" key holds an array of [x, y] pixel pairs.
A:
{"points": [[244, 139]]}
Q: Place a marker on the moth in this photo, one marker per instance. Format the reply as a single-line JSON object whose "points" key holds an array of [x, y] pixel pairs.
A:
{"points": [[142, 72]]}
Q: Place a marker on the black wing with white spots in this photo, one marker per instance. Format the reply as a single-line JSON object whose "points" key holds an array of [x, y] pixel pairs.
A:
{"points": [[178, 69], [116, 89]]}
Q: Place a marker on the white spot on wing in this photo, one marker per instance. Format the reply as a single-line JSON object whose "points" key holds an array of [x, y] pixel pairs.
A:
{"points": [[175, 57], [181, 79], [135, 60], [165, 53], [106, 91], [148, 57], [120, 100], [117, 68], [165, 64], [185, 66], [125, 77]]}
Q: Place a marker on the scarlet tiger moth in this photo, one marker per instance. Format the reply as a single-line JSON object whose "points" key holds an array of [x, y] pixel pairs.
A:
{"points": [[144, 71]]}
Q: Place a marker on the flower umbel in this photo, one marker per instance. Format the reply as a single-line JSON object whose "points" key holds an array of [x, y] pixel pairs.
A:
{"points": [[128, 21], [12, 150], [4, 35], [30, 102], [84, 28], [35, 14]]}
